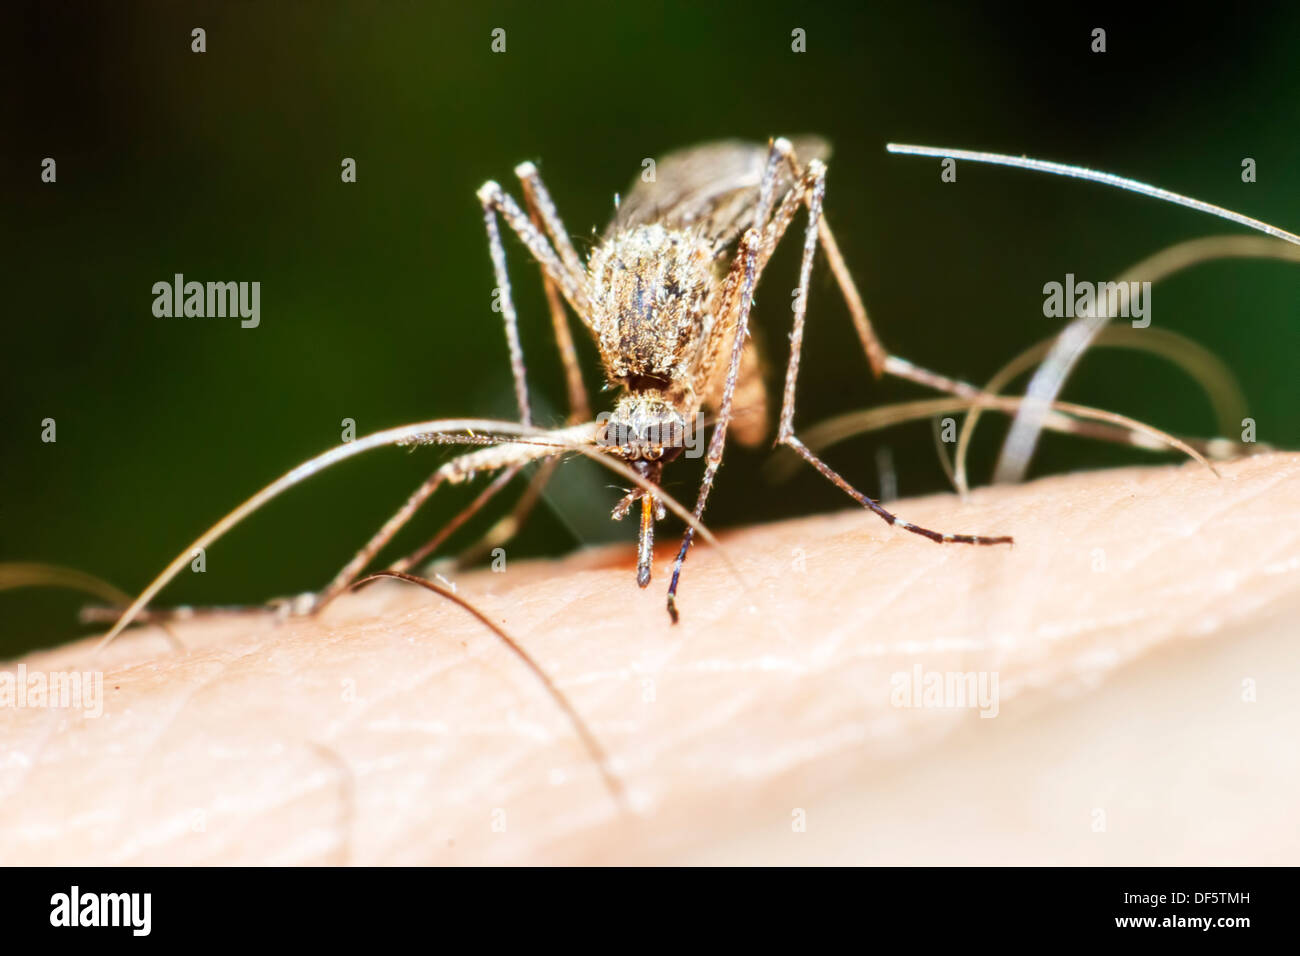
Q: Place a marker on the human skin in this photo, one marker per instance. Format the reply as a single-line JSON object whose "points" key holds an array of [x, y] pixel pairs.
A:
{"points": [[1140, 630]]}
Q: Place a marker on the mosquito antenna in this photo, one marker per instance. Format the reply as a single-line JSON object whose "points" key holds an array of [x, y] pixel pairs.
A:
{"points": [[31, 574], [1220, 386], [391, 436], [475, 438], [302, 472], [837, 429], [1092, 175], [1075, 338], [588, 739]]}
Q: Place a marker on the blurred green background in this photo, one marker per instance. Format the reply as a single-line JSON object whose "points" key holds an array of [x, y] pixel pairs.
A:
{"points": [[376, 296]]}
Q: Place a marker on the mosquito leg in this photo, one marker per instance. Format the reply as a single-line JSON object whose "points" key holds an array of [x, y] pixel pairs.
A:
{"points": [[343, 580], [453, 472], [878, 356], [492, 199], [803, 192], [492, 196], [871, 344], [415, 558], [542, 214], [747, 261], [283, 607], [785, 434], [509, 526], [541, 211], [882, 362], [718, 440], [496, 201], [498, 252], [891, 518]]}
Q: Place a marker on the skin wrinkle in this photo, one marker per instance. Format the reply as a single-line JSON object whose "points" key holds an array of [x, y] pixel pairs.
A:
{"points": [[1206, 520], [524, 688], [745, 724], [837, 636], [478, 656], [51, 725], [1201, 598], [405, 685], [1120, 516], [347, 798], [135, 778], [195, 692], [1215, 601], [167, 833], [291, 796]]}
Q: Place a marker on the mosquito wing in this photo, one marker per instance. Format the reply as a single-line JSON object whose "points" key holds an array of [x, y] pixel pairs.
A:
{"points": [[714, 185]]}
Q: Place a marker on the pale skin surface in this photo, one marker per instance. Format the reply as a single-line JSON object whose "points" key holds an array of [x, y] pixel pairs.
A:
{"points": [[1142, 630]]}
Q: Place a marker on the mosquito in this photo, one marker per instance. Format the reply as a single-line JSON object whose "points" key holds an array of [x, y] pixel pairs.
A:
{"points": [[666, 294]]}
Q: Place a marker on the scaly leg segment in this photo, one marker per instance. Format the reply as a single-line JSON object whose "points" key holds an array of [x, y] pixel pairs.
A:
{"points": [[463, 468], [542, 214], [747, 268], [756, 248], [785, 434], [883, 362]]}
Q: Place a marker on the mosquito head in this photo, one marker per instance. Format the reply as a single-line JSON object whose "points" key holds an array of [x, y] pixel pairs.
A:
{"points": [[645, 428]]}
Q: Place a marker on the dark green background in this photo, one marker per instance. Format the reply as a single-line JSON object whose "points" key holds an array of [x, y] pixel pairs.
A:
{"points": [[376, 296]]}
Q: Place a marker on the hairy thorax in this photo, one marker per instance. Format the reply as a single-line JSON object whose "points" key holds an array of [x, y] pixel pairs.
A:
{"points": [[653, 294]]}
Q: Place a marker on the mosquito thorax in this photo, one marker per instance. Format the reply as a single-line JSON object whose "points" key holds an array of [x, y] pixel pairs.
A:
{"points": [[651, 291]]}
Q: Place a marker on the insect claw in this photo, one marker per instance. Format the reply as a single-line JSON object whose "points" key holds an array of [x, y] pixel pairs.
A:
{"points": [[625, 504]]}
